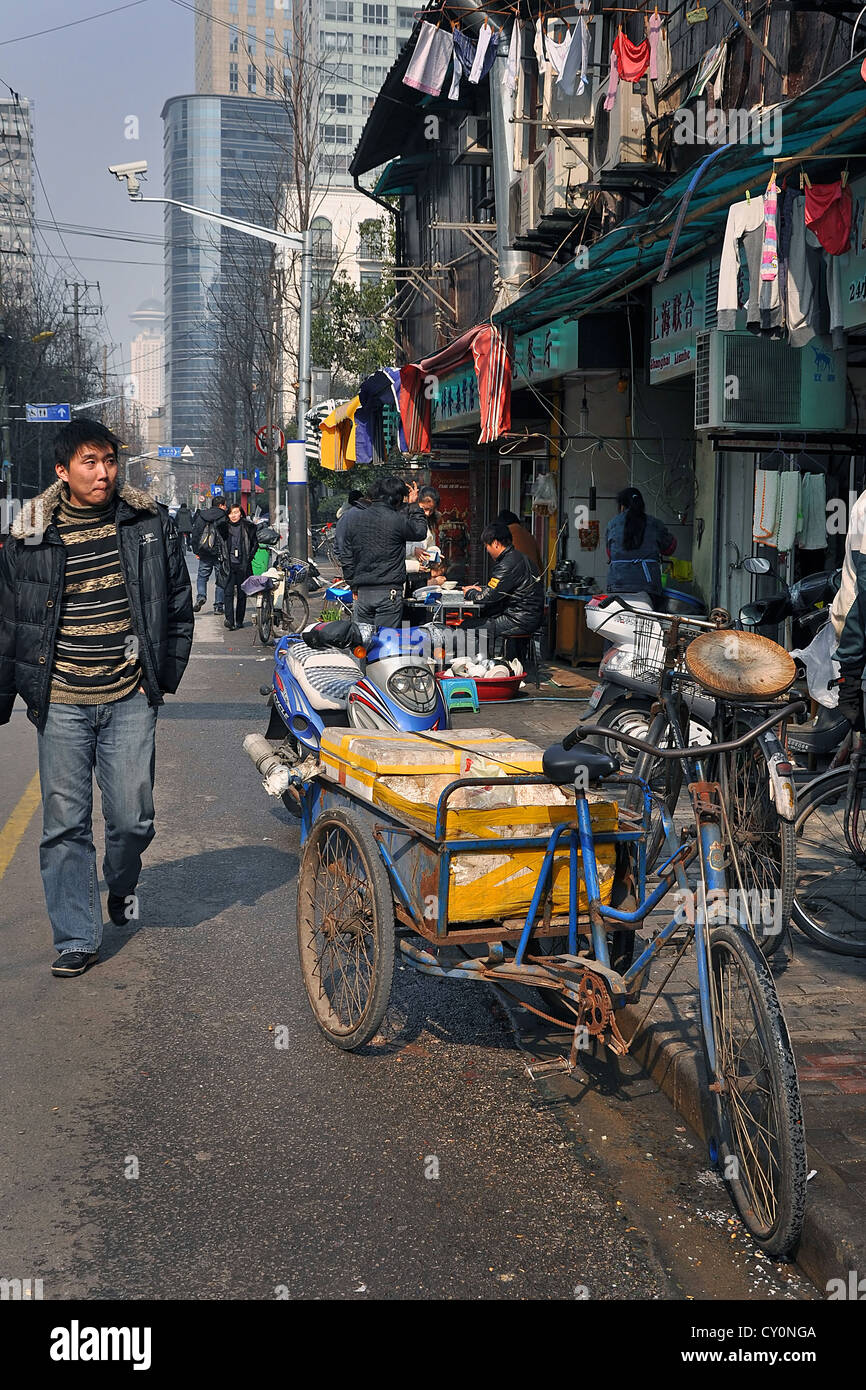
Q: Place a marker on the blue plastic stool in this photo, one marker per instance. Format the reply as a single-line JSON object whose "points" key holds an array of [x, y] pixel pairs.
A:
{"points": [[459, 693]]}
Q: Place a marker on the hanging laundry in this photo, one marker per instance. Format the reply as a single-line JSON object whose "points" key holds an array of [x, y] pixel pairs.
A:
{"points": [[488, 40], [628, 63], [828, 213], [558, 51], [777, 508], [539, 49], [491, 355], [770, 247], [429, 62], [746, 224], [512, 64], [578, 58], [465, 54], [812, 534], [710, 67], [657, 42]]}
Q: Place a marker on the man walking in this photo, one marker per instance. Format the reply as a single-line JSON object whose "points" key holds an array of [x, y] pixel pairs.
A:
{"points": [[374, 552], [95, 626], [237, 540], [208, 555]]}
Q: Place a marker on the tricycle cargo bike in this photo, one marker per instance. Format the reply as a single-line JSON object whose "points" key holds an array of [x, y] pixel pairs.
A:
{"points": [[476, 856]]}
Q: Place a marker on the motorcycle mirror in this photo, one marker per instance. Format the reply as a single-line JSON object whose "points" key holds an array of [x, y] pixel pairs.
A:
{"points": [[752, 565]]}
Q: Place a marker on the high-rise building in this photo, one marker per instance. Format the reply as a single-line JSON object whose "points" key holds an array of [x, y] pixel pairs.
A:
{"points": [[16, 188], [147, 357], [242, 48], [225, 154]]}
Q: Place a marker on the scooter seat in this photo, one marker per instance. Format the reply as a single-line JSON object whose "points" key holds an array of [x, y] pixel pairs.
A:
{"points": [[325, 676]]}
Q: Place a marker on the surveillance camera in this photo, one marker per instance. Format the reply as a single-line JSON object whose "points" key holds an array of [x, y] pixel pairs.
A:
{"points": [[123, 171], [131, 173]]}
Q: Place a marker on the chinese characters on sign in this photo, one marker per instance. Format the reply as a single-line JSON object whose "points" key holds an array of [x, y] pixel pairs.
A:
{"points": [[678, 313]]}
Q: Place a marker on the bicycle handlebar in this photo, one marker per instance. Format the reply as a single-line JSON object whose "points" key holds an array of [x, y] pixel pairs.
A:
{"points": [[784, 712]]}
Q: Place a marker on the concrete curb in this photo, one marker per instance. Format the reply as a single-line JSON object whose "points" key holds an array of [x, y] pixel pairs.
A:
{"points": [[829, 1247]]}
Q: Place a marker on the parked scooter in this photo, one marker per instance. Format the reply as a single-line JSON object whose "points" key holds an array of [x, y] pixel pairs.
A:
{"points": [[808, 603], [342, 674], [629, 671]]}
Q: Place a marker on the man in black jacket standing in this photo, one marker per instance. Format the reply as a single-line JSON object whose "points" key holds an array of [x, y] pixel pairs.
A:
{"points": [[237, 540], [512, 600], [208, 560], [374, 551], [95, 626]]}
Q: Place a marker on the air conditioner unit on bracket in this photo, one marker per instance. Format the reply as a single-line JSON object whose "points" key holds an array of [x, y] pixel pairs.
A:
{"points": [[473, 142], [747, 382], [565, 172], [620, 138], [575, 112]]}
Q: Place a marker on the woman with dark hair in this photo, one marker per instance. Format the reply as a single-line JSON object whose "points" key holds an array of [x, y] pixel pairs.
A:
{"points": [[636, 543]]}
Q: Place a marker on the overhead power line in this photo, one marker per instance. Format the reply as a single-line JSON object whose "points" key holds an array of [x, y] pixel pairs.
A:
{"points": [[72, 23]]}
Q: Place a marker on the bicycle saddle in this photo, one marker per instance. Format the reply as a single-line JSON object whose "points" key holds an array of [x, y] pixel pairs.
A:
{"points": [[740, 665], [560, 765]]}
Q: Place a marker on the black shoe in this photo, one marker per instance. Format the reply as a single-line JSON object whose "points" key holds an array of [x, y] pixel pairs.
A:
{"points": [[198, 605], [230, 626], [218, 608], [74, 962], [237, 625], [117, 907]]}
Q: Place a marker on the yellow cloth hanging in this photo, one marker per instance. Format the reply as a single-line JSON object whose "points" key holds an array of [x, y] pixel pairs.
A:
{"points": [[338, 437]]}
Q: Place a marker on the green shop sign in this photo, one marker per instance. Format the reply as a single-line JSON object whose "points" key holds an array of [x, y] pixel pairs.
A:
{"points": [[679, 312], [546, 352]]}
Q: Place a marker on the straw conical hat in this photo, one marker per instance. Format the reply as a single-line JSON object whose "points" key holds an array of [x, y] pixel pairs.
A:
{"points": [[740, 665]]}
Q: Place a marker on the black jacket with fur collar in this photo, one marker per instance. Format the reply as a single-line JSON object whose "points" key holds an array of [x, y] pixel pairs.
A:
{"points": [[32, 567]]}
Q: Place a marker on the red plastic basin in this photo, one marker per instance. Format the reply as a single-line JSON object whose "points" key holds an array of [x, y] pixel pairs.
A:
{"points": [[495, 687]]}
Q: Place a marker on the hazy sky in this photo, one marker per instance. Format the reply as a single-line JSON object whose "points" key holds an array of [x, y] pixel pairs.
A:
{"points": [[85, 80]]}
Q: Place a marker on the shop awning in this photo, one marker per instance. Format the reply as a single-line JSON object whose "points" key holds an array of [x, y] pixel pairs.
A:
{"points": [[828, 122], [402, 175]]}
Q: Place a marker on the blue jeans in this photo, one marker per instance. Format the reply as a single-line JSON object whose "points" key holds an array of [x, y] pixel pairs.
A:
{"points": [[116, 741], [205, 570]]}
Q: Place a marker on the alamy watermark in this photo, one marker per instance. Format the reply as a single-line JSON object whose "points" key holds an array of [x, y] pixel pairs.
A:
{"points": [[696, 125]]}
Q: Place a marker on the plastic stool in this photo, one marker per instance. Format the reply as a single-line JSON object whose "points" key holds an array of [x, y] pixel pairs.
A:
{"points": [[459, 693], [522, 646]]}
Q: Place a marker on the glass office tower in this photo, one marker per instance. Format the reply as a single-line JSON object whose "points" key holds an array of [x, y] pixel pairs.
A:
{"points": [[226, 154]]}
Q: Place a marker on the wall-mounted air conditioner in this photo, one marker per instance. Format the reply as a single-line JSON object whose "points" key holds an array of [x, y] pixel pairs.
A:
{"points": [[564, 173], [744, 382], [620, 138], [576, 112], [473, 142]]}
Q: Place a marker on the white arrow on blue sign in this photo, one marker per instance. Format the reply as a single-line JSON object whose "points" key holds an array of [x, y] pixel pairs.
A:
{"points": [[48, 414], [168, 451]]}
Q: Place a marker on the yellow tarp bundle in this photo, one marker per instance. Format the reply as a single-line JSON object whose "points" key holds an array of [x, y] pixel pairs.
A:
{"points": [[405, 775]]}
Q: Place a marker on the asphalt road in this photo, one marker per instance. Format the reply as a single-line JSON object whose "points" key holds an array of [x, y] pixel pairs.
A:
{"points": [[156, 1143]]}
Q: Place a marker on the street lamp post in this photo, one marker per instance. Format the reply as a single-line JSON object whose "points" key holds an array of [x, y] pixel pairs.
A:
{"points": [[296, 241]]}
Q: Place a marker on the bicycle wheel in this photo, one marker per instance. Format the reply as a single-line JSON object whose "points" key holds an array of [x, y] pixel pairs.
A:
{"points": [[760, 1144], [265, 617], [345, 929], [296, 611], [831, 885], [665, 777], [631, 717], [764, 842]]}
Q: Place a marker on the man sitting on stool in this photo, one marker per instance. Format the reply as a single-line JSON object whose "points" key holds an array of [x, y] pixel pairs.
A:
{"points": [[512, 600]]}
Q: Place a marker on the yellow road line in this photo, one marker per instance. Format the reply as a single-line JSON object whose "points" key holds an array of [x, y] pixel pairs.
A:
{"points": [[13, 831]]}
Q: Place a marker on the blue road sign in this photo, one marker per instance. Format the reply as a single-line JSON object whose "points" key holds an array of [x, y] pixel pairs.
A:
{"points": [[48, 414], [216, 490], [231, 480], [168, 451]]}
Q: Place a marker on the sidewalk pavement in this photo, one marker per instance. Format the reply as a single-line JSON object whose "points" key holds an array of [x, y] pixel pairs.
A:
{"points": [[823, 997]]}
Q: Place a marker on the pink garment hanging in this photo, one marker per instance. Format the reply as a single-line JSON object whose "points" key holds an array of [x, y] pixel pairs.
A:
{"points": [[429, 62], [770, 246], [656, 24]]}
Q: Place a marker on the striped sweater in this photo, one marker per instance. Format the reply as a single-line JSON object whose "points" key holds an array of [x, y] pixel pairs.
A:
{"points": [[96, 652]]}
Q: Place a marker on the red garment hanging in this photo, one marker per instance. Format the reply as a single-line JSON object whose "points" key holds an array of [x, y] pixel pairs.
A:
{"points": [[633, 59], [828, 215]]}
